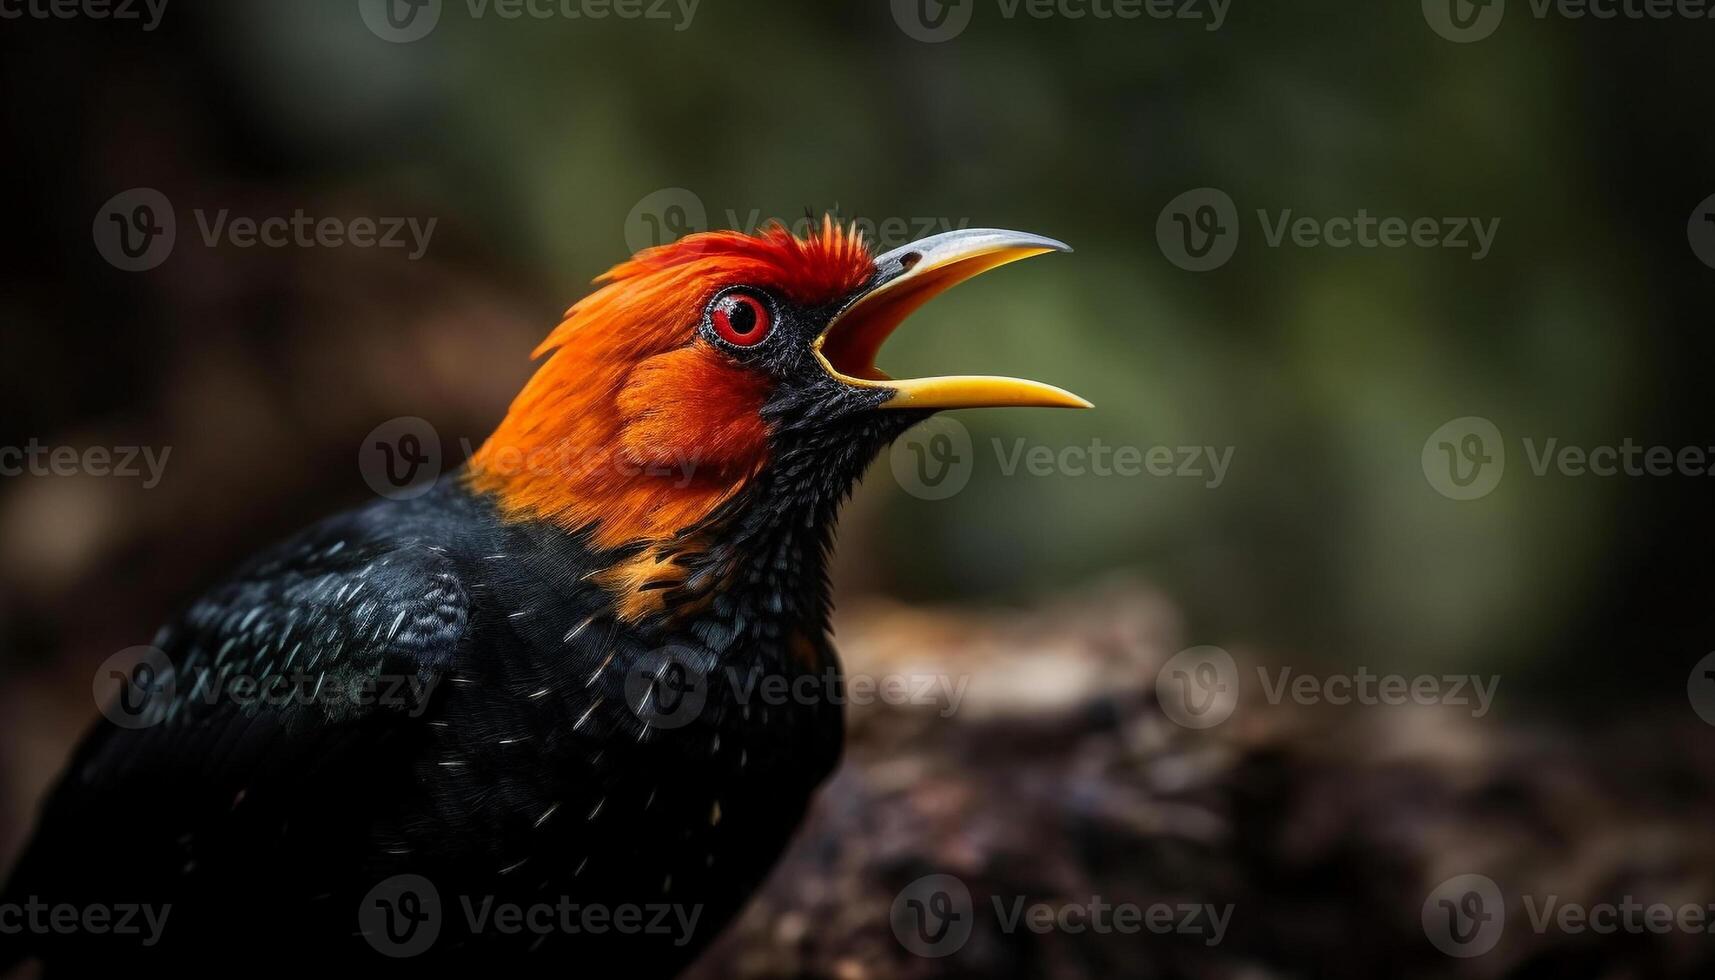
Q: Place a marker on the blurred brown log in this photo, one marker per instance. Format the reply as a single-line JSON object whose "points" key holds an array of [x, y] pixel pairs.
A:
{"points": [[1059, 779]]}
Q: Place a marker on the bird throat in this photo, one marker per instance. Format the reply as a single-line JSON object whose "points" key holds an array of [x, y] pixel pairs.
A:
{"points": [[762, 554]]}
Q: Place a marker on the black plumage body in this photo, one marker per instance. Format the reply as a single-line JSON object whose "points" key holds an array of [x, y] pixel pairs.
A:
{"points": [[509, 746]]}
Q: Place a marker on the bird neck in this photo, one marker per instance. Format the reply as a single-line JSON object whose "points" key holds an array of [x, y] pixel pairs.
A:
{"points": [[761, 556], [776, 536]]}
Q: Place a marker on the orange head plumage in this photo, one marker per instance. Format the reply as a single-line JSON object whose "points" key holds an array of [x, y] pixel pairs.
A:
{"points": [[699, 365]]}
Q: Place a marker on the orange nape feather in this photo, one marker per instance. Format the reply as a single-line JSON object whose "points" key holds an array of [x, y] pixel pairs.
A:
{"points": [[634, 429]]}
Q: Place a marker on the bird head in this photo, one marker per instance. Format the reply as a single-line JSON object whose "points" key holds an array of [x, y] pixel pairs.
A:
{"points": [[725, 361]]}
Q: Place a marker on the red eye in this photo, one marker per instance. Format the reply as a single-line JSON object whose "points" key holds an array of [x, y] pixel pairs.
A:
{"points": [[740, 319]]}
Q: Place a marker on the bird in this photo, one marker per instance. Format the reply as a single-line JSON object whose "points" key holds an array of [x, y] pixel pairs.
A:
{"points": [[513, 722]]}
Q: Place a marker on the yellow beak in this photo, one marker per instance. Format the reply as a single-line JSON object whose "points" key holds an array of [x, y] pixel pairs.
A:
{"points": [[908, 277]]}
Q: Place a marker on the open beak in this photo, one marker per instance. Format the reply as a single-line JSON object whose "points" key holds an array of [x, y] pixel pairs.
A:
{"points": [[908, 277]]}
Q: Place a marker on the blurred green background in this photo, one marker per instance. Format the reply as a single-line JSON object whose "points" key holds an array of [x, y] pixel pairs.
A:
{"points": [[534, 142]]}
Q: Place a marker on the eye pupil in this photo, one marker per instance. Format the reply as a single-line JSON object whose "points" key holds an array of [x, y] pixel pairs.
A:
{"points": [[742, 316], [740, 319]]}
